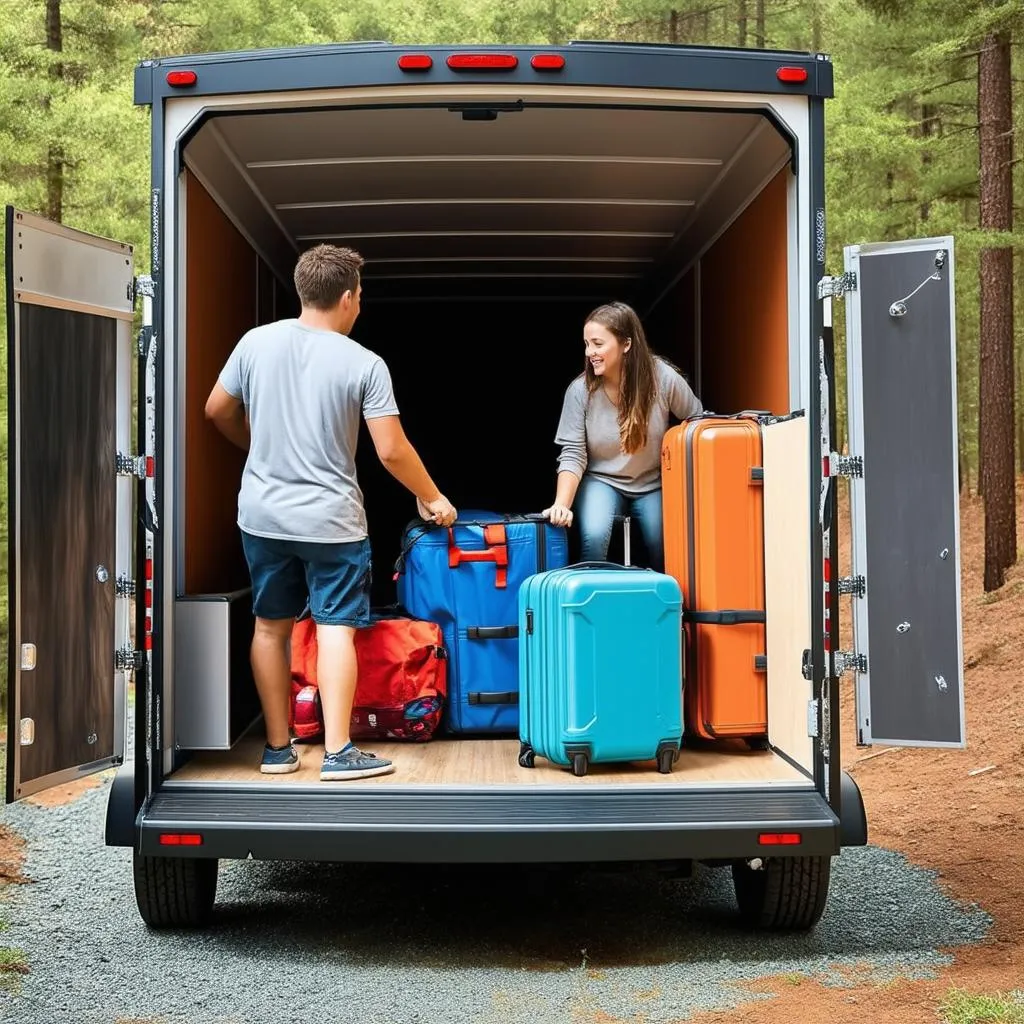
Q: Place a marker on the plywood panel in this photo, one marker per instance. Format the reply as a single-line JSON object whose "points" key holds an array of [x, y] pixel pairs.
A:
{"points": [[479, 762], [220, 306], [787, 525], [744, 309]]}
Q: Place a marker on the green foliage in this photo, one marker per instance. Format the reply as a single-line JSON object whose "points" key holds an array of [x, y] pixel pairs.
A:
{"points": [[960, 1007]]}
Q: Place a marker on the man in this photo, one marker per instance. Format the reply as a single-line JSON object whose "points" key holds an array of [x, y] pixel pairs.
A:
{"points": [[291, 394]]}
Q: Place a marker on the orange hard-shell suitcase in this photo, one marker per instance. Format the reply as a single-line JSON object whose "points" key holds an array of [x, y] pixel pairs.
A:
{"points": [[712, 497]]}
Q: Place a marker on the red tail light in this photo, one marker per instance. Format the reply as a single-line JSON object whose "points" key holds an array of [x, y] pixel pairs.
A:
{"points": [[483, 61], [547, 62], [181, 78], [791, 75], [415, 62], [779, 838], [181, 839]]}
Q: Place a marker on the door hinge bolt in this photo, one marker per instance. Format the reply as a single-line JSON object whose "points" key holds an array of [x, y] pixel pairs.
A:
{"points": [[854, 586], [845, 465], [843, 661], [130, 465], [836, 287], [124, 586], [127, 659]]}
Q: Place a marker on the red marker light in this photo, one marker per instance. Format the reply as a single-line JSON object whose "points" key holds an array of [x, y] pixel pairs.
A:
{"points": [[547, 62], [791, 74], [415, 62], [483, 61], [180, 839], [779, 838], [181, 78]]}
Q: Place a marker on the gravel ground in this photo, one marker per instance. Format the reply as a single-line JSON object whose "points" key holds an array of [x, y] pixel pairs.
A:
{"points": [[304, 942]]}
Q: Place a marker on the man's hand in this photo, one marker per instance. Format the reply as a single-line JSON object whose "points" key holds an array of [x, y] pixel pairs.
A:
{"points": [[559, 515], [440, 511]]}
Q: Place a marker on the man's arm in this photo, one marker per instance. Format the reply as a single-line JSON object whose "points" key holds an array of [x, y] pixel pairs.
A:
{"points": [[227, 414], [402, 461]]}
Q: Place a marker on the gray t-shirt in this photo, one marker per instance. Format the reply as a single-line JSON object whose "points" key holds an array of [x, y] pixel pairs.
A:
{"points": [[588, 432], [304, 390]]}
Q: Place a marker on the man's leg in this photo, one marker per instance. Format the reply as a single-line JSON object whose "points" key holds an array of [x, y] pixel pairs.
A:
{"points": [[273, 676], [336, 678], [338, 576], [278, 595]]}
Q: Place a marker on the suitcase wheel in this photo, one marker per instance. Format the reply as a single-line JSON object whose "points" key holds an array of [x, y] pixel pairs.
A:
{"points": [[666, 758], [579, 764], [758, 742], [526, 755]]}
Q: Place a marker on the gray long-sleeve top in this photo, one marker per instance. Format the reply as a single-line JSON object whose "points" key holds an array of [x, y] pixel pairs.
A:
{"points": [[588, 432]]}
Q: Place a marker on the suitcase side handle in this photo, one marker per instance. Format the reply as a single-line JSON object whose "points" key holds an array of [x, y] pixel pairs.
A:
{"points": [[727, 617], [496, 697], [492, 632]]}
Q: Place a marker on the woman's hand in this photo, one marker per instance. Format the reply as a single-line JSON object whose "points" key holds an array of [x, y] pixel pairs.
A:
{"points": [[559, 515]]}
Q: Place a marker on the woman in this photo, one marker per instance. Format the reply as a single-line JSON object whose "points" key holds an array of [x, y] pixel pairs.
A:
{"points": [[614, 417]]}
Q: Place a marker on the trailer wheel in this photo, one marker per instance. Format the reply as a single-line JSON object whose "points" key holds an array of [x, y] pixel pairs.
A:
{"points": [[174, 892], [785, 893]]}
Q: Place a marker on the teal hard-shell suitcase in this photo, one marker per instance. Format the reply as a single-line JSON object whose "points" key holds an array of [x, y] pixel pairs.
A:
{"points": [[600, 666]]}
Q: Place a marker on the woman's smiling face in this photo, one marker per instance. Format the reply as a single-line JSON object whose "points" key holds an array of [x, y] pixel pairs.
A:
{"points": [[603, 349]]}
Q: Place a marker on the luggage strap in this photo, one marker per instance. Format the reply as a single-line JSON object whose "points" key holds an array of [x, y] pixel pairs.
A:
{"points": [[729, 617], [497, 552]]}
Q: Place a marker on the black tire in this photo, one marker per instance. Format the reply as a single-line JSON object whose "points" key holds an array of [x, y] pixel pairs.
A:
{"points": [[175, 892], [788, 893], [579, 764], [526, 755]]}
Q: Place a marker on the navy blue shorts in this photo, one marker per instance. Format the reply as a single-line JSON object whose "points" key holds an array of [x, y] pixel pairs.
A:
{"points": [[336, 578]]}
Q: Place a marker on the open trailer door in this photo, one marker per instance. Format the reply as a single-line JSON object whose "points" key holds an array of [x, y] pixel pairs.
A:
{"points": [[70, 298], [904, 500]]}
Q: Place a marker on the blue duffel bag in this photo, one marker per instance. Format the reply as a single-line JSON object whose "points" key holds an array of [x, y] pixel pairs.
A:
{"points": [[466, 578]]}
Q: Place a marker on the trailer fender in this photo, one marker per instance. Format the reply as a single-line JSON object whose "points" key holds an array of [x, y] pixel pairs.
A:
{"points": [[853, 822], [120, 824]]}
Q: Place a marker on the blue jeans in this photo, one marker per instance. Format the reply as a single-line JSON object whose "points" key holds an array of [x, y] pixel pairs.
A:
{"points": [[597, 505]]}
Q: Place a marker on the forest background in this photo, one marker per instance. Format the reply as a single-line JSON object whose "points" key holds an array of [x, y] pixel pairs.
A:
{"points": [[920, 141]]}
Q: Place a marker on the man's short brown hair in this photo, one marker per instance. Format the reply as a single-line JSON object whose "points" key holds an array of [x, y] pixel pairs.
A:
{"points": [[324, 273]]}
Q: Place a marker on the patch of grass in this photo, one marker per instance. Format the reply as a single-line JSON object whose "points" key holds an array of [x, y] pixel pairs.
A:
{"points": [[793, 978], [960, 1007]]}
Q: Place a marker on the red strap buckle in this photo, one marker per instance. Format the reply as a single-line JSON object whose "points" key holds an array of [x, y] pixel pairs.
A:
{"points": [[497, 552]]}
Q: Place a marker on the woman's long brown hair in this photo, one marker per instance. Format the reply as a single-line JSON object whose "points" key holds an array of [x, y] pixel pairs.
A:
{"points": [[638, 382]]}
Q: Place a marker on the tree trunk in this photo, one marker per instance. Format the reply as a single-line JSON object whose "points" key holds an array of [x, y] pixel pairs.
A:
{"points": [[741, 21], [759, 9], [673, 26], [929, 114], [816, 25], [996, 400], [55, 154]]}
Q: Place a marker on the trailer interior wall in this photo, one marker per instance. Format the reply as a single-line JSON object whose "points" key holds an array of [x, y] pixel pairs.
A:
{"points": [[445, 301]]}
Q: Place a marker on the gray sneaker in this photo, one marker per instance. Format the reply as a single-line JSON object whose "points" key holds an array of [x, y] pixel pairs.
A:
{"points": [[353, 763]]}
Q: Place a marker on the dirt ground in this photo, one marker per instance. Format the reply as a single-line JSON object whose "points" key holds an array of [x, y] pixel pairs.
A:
{"points": [[960, 813]]}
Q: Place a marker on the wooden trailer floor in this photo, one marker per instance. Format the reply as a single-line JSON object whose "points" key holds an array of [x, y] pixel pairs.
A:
{"points": [[492, 761]]}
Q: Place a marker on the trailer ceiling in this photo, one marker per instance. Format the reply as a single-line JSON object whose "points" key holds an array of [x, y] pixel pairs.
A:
{"points": [[555, 202]]}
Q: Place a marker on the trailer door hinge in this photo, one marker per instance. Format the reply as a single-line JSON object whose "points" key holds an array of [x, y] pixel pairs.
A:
{"points": [[124, 586], [836, 287], [843, 661], [852, 585], [130, 465], [127, 659], [845, 465], [812, 718]]}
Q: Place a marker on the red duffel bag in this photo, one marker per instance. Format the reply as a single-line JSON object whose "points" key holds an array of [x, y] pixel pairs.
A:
{"points": [[402, 686]]}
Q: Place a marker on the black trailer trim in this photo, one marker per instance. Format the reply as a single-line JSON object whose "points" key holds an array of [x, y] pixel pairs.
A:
{"points": [[601, 65], [485, 826], [12, 508]]}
